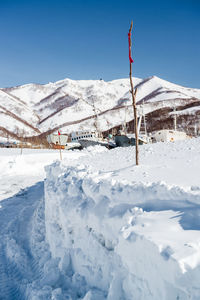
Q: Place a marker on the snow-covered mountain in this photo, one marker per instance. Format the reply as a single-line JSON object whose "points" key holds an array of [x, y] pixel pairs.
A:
{"points": [[34, 109]]}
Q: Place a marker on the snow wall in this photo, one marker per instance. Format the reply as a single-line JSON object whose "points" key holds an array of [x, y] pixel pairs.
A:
{"points": [[111, 242]]}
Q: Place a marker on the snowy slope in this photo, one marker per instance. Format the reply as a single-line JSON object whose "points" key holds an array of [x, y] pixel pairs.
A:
{"points": [[71, 104], [16, 116]]}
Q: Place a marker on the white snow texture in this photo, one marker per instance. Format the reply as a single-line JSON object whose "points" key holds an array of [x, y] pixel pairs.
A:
{"points": [[99, 227]]}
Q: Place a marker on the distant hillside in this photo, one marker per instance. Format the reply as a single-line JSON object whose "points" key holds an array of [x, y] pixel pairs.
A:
{"points": [[35, 110]]}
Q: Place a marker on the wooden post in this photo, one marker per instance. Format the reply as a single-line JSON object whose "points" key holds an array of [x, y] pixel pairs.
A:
{"points": [[22, 144], [133, 93], [60, 145]]}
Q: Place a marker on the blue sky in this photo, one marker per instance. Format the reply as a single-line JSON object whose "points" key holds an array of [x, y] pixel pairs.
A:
{"points": [[44, 41]]}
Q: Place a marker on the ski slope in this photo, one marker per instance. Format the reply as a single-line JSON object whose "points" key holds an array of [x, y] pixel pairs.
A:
{"points": [[95, 226]]}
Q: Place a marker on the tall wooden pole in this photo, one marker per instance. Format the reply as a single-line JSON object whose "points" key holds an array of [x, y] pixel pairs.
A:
{"points": [[133, 93]]}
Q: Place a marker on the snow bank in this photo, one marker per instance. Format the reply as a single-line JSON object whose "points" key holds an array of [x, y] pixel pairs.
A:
{"points": [[119, 239], [104, 228]]}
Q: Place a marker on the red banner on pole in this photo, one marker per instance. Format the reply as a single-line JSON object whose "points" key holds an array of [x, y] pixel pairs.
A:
{"points": [[129, 44]]}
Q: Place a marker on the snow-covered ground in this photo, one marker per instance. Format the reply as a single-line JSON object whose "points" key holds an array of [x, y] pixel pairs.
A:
{"points": [[95, 226]]}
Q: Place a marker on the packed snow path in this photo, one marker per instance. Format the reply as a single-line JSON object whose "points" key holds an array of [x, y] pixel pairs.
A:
{"points": [[18, 266]]}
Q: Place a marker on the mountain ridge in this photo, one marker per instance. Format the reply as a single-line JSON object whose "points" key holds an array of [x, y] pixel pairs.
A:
{"points": [[33, 109]]}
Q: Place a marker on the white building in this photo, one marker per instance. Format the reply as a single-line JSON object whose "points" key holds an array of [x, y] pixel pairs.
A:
{"points": [[166, 135], [57, 139]]}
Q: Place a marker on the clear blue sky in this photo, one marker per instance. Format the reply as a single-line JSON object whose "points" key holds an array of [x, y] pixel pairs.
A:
{"points": [[42, 41]]}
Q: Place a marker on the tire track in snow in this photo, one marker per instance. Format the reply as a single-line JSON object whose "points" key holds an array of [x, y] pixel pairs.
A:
{"points": [[18, 267], [9, 278]]}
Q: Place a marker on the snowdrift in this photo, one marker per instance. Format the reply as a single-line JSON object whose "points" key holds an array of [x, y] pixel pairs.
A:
{"points": [[123, 239]]}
